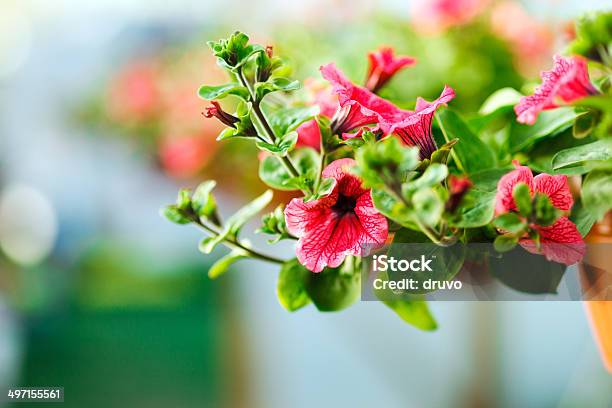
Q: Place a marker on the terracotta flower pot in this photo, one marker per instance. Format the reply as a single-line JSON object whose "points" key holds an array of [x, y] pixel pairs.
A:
{"points": [[596, 283]]}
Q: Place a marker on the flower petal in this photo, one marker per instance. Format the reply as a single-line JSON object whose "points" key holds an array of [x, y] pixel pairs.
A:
{"points": [[503, 199], [347, 184], [383, 65], [556, 188], [560, 242], [415, 127], [365, 106], [309, 134], [567, 81], [301, 216]]}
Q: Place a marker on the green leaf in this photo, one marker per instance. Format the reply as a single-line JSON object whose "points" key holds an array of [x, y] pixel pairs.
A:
{"points": [[471, 154], [502, 98], [526, 272], [183, 201], [434, 174], [545, 212], [414, 312], [583, 218], [505, 243], [593, 34], [235, 51], [286, 120], [510, 222], [522, 199], [237, 221], [392, 208], [203, 202], [478, 205], [584, 124], [208, 244], [597, 192], [549, 123], [586, 156], [385, 162], [221, 91], [283, 145], [291, 285], [330, 290], [273, 173], [275, 84], [173, 214], [428, 206], [222, 265]]}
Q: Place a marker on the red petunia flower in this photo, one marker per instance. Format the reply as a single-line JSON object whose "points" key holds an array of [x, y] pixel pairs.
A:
{"points": [[358, 105], [343, 223], [566, 82], [383, 66], [560, 242], [309, 135], [415, 128]]}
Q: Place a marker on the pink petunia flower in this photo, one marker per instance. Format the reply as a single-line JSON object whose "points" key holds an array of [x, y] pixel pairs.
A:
{"points": [[383, 66], [415, 128], [309, 135], [358, 105], [560, 242], [566, 82], [343, 223]]}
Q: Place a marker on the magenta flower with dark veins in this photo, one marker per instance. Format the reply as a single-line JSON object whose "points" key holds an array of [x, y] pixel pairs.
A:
{"points": [[415, 128], [566, 82], [560, 242], [342, 223]]}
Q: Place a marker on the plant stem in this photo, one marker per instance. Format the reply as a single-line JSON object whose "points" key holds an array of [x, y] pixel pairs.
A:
{"points": [[235, 244], [289, 166], [322, 158]]}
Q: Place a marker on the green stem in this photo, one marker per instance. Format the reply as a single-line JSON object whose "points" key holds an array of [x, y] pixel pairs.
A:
{"points": [[322, 158], [235, 244], [261, 118]]}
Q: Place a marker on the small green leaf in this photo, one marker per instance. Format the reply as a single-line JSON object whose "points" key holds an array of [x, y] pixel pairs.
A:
{"points": [[291, 285], [274, 85], [522, 199], [502, 98], [237, 221], [183, 201], [331, 290], [434, 174], [235, 51], [414, 312], [587, 156], [550, 123], [505, 243], [274, 174], [428, 206], [175, 215], [545, 212], [203, 202], [583, 218], [208, 244], [221, 91], [286, 120], [471, 154], [222, 265], [510, 222], [597, 192], [282, 146]]}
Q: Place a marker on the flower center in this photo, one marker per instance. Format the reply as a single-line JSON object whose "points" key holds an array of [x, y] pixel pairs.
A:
{"points": [[345, 204]]}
